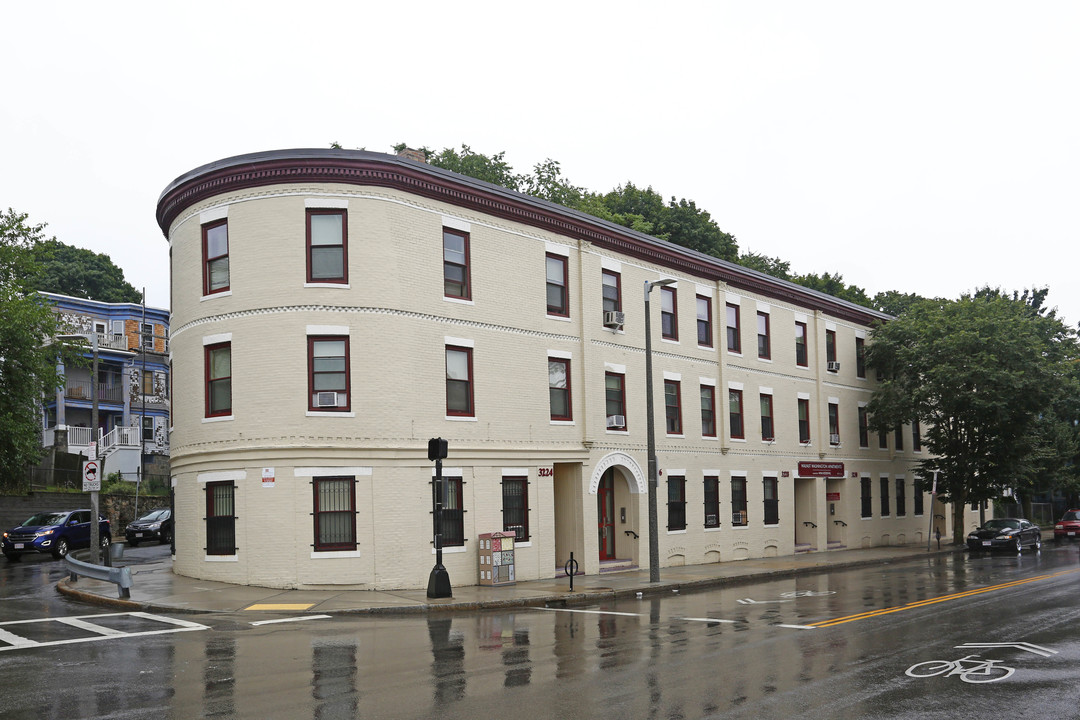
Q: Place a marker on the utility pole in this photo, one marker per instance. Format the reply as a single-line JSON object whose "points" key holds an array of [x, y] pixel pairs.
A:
{"points": [[95, 530]]}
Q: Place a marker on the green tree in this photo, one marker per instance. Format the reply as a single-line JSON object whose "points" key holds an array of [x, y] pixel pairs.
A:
{"points": [[769, 265], [27, 364], [81, 273], [493, 169], [677, 221], [895, 302], [977, 373], [833, 284]]}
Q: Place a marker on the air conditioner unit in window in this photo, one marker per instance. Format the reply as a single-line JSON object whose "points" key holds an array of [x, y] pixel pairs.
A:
{"points": [[711, 521], [738, 518], [614, 319], [834, 439], [833, 366], [326, 399], [616, 421]]}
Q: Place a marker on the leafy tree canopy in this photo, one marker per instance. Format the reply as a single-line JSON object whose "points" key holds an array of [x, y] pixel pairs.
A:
{"points": [[983, 375], [833, 284], [78, 272], [769, 265], [27, 364], [894, 302]]}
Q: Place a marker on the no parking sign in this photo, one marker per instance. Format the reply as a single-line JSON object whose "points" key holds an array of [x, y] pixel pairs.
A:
{"points": [[91, 479]]}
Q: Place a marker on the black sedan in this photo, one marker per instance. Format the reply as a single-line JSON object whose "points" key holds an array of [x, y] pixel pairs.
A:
{"points": [[157, 525], [1013, 534]]}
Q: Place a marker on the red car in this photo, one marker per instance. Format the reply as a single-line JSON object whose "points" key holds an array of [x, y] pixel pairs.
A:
{"points": [[1068, 526]]}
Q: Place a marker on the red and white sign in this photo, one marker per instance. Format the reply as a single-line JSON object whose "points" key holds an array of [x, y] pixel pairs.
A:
{"points": [[821, 469], [832, 497], [91, 478], [268, 477]]}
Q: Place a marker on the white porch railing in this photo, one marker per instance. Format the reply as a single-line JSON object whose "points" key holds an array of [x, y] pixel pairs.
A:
{"points": [[80, 436], [120, 437]]}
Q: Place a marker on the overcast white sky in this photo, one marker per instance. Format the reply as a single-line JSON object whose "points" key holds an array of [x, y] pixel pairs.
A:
{"points": [[921, 146]]}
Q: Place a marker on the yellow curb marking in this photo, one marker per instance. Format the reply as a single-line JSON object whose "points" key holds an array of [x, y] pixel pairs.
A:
{"points": [[280, 606], [932, 601]]}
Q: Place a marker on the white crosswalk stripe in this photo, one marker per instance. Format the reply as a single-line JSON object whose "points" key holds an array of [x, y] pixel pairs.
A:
{"points": [[91, 629]]}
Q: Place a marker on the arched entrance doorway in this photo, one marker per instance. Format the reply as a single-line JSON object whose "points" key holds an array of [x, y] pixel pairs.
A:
{"points": [[618, 483]]}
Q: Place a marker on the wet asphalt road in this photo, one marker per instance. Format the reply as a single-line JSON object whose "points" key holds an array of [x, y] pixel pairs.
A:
{"points": [[834, 645]]}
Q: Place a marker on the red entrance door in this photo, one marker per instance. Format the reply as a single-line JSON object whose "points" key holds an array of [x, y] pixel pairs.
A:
{"points": [[605, 512]]}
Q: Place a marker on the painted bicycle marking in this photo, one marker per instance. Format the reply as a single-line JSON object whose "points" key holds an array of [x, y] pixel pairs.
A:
{"points": [[786, 597], [971, 669]]}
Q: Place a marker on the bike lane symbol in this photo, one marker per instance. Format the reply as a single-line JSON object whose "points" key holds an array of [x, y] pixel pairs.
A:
{"points": [[972, 668]]}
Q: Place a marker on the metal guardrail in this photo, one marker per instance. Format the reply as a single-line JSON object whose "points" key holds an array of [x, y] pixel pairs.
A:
{"points": [[121, 577]]}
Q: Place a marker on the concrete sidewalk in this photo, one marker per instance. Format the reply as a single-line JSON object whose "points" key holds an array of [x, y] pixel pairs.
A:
{"points": [[157, 588]]}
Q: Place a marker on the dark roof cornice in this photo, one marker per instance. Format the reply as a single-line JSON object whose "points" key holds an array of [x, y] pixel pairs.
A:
{"points": [[358, 167]]}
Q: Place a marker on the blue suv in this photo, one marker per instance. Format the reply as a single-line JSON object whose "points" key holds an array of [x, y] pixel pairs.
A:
{"points": [[55, 533]]}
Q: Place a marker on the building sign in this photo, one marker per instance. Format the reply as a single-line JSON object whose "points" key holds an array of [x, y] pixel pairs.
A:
{"points": [[268, 477], [832, 497], [821, 469]]}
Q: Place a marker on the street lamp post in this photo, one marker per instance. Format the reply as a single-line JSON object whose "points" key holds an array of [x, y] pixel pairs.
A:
{"points": [[654, 540]]}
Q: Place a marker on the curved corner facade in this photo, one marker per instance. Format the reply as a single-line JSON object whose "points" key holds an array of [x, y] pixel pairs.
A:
{"points": [[332, 311]]}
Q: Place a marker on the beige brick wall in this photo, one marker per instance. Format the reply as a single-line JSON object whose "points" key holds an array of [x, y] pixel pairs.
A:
{"points": [[398, 323]]}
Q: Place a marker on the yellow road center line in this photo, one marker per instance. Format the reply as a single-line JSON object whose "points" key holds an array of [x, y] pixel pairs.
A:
{"points": [[933, 601]]}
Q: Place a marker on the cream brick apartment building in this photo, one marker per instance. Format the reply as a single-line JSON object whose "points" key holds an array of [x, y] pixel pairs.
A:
{"points": [[333, 310]]}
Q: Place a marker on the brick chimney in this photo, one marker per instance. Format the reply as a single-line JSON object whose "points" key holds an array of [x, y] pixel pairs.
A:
{"points": [[410, 154]]}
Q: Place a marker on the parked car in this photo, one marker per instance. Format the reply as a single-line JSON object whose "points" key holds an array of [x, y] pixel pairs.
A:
{"points": [[153, 526], [1005, 534], [1068, 526], [55, 533]]}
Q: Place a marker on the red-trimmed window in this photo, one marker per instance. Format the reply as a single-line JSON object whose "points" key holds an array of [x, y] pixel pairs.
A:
{"points": [[804, 420], [676, 506], [764, 348], [327, 246], [453, 514], [558, 287], [735, 414], [673, 407], [612, 290], [712, 501], [328, 373], [559, 389], [220, 518], [515, 507], [734, 336], [771, 487], [708, 411], [767, 426], [456, 264], [801, 354], [669, 309], [459, 382], [334, 513], [704, 321], [615, 400], [738, 501], [215, 247], [218, 362]]}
